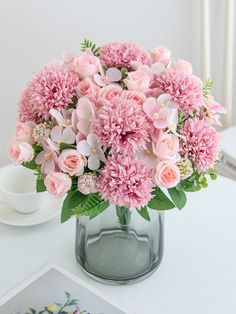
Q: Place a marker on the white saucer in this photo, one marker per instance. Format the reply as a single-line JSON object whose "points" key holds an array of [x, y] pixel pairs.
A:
{"points": [[50, 209]]}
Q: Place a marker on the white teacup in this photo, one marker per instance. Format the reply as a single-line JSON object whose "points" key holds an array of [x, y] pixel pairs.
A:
{"points": [[18, 190]]}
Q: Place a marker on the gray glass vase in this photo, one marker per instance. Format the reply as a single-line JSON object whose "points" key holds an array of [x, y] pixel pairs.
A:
{"points": [[119, 246]]}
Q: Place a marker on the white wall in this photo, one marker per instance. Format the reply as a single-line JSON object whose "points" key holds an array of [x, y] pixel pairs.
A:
{"points": [[33, 32]]}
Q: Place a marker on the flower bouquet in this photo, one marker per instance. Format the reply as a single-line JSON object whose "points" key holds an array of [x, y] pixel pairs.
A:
{"points": [[118, 125]]}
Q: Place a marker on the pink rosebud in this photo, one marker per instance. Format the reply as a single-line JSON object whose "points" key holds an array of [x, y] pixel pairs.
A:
{"points": [[86, 65], [24, 131], [183, 66], [137, 81], [154, 92], [167, 147], [110, 91], [20, 152], [167, 174], [161, 54], [72, 162], [133, 95], [57, 183], [87, 87]]}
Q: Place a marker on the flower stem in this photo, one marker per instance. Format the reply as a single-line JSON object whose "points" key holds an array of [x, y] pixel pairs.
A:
{"points": [[124, 215]]}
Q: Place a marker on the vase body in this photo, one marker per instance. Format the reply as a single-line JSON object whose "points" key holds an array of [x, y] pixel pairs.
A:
{"points": [[119, 247]]}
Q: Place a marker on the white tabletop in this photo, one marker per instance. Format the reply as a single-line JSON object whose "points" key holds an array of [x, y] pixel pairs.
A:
{"points": [[197, 274]]}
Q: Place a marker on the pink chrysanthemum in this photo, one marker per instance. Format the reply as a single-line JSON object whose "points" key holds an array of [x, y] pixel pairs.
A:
{"points": [[122, 125], [185, 89], [52, 87], [201, 143], [121, 55], [125, 181]]}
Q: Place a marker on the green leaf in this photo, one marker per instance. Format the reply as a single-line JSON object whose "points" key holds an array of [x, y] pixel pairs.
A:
{"points": [[143, 211], [37, 148], [40, 186], [91, 206], [78, 204], [160, 201], [182, 185], [178, 197], [91, 201], [30, 165], [68, 295], [98, 209], [72, 200], [66, 146]]}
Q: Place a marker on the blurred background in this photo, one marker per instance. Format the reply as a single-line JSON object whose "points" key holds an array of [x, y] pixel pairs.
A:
{"points": [[34, 32]]}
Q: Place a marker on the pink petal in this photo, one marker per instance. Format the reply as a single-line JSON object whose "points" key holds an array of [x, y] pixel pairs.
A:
{"points": [[57, 115], [56, 134], [84, 148], [92, 140], [52, 146], [172, 117], [48, 166], [101, 154], [74, 119], [40, 158], [93, 162], [150, 107], [113, 74], [158, 67], [68, 57], [79, 137], [83, 126], [68, 136], [172, 104], [160, 124], [98, 79], [218, 107], [84, 108], [163, 98]]}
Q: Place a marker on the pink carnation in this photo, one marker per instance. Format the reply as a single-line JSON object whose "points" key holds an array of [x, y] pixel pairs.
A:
{"points": [[184, 89], [201, 143], [51, 87], [125, 181], [121, 55], [122, 125]]}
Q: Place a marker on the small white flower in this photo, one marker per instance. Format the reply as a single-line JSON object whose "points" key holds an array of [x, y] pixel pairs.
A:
{"points": [[92, 150]]}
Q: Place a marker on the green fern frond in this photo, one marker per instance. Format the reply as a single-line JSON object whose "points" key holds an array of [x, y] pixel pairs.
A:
{"points": [[92, 206], [88, 44], [207, 87]]}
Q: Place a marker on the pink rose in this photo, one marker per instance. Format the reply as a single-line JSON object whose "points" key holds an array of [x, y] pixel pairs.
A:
{"points": [[24, 131], [57, 183], [86, 65], [161, 54], [110, 91], [167, 147], [72, 162], [167, 174], [87, 87], [133, 95], [20, 152], [153, 92], [183, 66], [137, 81]]}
